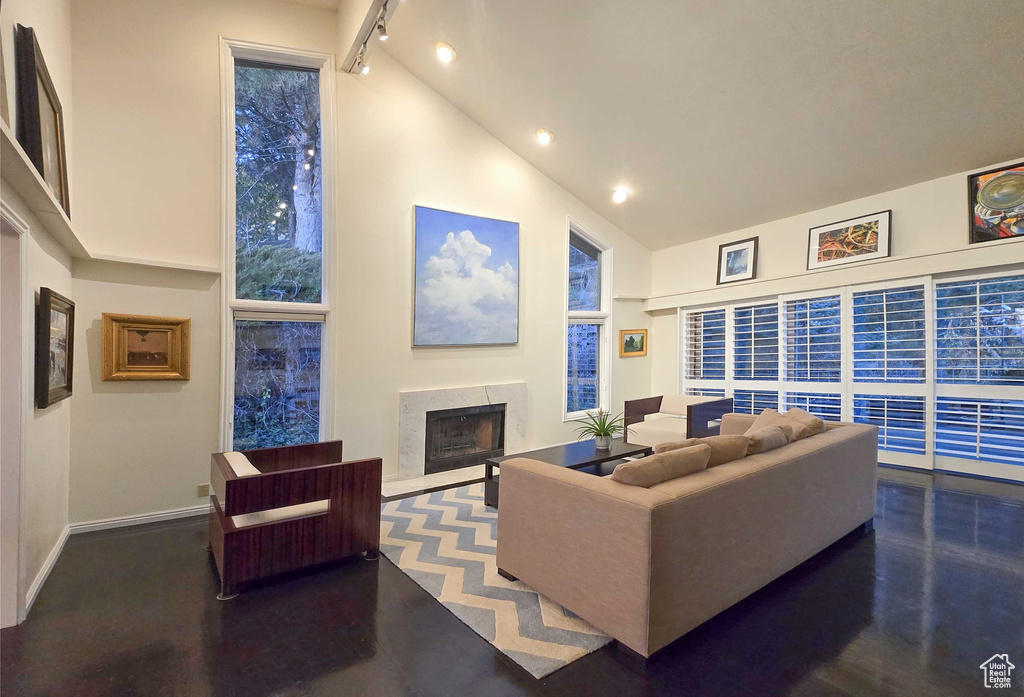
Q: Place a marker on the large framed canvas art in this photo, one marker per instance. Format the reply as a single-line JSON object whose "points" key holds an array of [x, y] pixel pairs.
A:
{"points": [[997, 204], [466, 280]]}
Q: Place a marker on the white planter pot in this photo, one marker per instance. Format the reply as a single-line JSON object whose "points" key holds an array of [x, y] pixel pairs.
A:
{"points": [[603, 442]]}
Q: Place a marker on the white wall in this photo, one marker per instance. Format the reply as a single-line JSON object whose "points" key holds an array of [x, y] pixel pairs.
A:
{"points": [[47, 431], [929, 236], [414, 148], [147, 88], [142, 447]]}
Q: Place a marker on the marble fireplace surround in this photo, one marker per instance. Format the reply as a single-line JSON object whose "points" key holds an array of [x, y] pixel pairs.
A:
{"points": [[412, 418]]}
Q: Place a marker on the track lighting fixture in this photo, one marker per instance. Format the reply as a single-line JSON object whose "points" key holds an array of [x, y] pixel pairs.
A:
{"points": [[382, 27], [361, 65]]}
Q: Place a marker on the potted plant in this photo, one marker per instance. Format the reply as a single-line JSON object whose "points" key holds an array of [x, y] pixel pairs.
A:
{"points": [[602, 427]]}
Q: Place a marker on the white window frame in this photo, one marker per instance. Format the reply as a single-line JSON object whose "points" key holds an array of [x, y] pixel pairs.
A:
{"points": [[602, 317], [232, 307], [930, 389]]}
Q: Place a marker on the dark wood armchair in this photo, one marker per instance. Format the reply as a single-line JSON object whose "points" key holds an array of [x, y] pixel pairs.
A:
{"points": [[280, 509]]}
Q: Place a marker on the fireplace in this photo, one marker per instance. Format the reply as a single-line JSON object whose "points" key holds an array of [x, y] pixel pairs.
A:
{"points": [[463, 437]]}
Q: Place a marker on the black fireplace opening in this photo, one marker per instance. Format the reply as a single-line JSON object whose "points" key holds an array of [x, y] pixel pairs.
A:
{"points": [[463, 437]]}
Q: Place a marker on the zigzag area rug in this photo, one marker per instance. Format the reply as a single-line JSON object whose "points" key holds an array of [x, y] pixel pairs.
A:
{"points": [[446, 542]]}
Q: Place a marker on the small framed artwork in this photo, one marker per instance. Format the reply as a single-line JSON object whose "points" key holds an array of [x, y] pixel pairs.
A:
{"points": [[850, 241], [136, 347], [55, 342], [40, 116], [632, 343], [737, 261], [996, 204]]}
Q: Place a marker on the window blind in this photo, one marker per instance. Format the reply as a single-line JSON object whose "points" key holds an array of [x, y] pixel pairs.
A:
{"points": [[813, 339], [705, 392], [889, 335], [754, 401], [900, 420], [827, 406], [980, 429], [705, 345], [756, 342], [979, 335]]}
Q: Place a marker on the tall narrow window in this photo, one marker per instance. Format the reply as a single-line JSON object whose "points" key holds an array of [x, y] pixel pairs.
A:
{"points": [[278, 183], [586, 364], [277, 299], [813, 330], [756, 342]]}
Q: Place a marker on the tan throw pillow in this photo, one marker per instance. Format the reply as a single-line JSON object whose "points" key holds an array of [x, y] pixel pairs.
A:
{"points": [[723, 448], [799, 431], [768, 417], [813, 423], [765, 439], [655, 469]]}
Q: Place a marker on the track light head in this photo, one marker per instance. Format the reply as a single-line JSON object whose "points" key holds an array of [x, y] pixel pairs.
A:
{"points": [[361, 65], [382, 29]]}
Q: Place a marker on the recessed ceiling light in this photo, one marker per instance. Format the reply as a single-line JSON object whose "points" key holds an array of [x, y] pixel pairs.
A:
{"points": [[620, 194], [544, 136], [445, 53]]}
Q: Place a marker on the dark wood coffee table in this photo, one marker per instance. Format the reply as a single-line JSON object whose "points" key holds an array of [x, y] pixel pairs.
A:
{"points": [[577, 456]]}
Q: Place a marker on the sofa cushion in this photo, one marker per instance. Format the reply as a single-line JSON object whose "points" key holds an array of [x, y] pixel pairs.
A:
{"points": [[768, 417], [676, 403], [657, 430], [655, 469], [768, 438], [813, 423], [800, 431], [723, 448]]}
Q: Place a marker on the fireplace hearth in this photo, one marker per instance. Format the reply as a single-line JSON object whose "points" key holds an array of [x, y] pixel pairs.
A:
{"points": [[463, 437]]}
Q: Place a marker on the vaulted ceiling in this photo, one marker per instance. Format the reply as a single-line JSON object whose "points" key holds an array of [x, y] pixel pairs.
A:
{"points": [[721, 115]]}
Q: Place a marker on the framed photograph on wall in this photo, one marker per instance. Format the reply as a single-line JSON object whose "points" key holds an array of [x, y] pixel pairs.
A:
{"points": [[737, 261], [996, 200], [632, 343], [466, 280], [850, 241], [40, 116], [138, 347], [55, 342]]}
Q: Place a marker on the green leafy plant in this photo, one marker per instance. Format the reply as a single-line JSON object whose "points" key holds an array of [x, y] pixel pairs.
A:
{"points": [[600, 423]]}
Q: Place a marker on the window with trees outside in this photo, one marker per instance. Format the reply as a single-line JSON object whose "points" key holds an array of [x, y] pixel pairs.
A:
{"points": [[937, 364], [277, 304], [588, 325]]}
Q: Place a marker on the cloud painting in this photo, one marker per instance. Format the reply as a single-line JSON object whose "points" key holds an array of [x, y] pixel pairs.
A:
{"points": [[467, 280]]}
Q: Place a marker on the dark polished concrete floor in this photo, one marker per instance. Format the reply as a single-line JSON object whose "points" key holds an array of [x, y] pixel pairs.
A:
{"points": [[911, 609]]}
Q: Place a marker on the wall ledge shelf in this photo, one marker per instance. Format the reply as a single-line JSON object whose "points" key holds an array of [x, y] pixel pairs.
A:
{"points": [[20, 174], [152, 263]]}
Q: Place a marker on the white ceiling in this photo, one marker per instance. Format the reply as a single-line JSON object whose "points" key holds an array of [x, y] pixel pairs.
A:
{"points": [[721, 115]]}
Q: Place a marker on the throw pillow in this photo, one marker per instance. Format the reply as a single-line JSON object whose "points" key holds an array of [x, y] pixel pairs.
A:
{"points": [[813, 423], [655, 469], [768, 417], [799, 431], [723, 448], [765, 439]]}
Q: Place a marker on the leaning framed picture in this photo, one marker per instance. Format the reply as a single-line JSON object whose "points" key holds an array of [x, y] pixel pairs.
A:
{"points": [[466, 280], [40, 116], [850, 241], [55, 342], [996, 200], [139, 347], [632, 343], [737, 261]]}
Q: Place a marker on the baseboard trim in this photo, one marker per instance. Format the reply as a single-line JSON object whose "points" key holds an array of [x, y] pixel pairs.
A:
{"points": [[44, 573], [140, 519]]}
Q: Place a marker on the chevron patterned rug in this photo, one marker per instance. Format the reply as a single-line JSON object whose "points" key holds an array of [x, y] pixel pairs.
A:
{"points": [[446, 542]]}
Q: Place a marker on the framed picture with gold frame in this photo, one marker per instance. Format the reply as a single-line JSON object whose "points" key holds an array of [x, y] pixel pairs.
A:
{"points": [[632, 343], [137, 347]]}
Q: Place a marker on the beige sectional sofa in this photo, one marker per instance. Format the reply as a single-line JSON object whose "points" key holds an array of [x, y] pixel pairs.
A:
{"points": [[648, 565]]}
